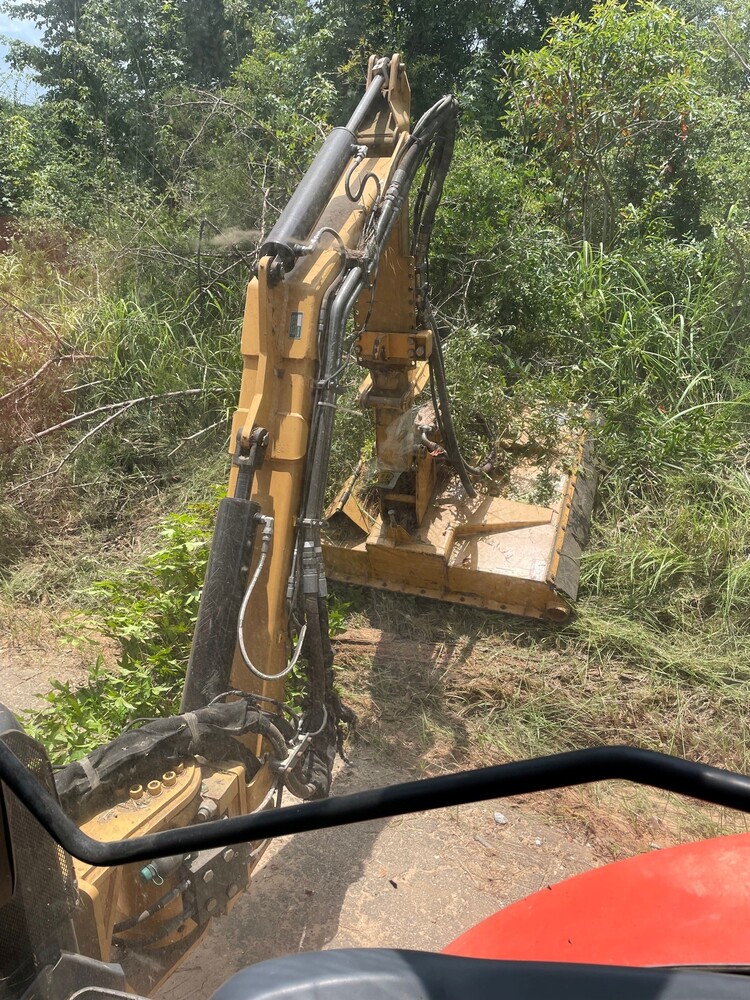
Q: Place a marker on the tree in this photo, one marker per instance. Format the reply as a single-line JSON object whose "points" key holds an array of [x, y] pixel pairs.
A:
{"points": [[447, 45], [16, 155], [612, 105], [111, 63], [103, 64]]}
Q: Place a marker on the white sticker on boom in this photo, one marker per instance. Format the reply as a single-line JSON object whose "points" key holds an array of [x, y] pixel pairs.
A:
{"points": [[295, 326]]}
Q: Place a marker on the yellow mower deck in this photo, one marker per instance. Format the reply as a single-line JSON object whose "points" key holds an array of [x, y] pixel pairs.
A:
{"points": [[487, 552]]}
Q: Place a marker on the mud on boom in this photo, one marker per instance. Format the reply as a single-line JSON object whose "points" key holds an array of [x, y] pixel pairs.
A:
{"points": [[411, 518]]}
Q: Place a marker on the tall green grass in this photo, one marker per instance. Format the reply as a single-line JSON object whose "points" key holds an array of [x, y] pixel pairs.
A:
{"points": [[161, 347], [131, 338], [651, 336]]}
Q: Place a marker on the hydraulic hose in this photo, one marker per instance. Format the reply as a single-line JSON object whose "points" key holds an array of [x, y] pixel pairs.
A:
{"points": [[425, 210], [431, 192], [443, 408], [165, 900], [168, 927]]}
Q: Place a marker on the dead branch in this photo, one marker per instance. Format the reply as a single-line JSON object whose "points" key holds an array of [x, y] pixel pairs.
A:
{"points": [[74, 449], [102, 409], [200, 433], [38, 325], [40, 371], [732, 48]]}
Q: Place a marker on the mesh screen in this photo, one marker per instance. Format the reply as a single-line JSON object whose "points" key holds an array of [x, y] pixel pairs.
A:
{"points": [[45, 889]]}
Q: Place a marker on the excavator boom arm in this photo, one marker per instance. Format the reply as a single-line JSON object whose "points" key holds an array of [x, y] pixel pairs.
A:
{"points": [[346, 244]]}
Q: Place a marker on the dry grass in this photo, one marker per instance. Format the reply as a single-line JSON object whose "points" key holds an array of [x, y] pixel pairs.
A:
{"points": [[34, 373], [441, 688], [41, 301]]}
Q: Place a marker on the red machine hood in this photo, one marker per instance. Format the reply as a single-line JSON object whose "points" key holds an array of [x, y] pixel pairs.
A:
{"points": [[687, 905]]}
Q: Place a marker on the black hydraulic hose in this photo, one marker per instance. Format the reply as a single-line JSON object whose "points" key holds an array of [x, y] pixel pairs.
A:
{"points": [[431, 191], [329, 363], [267, 729], [434, 117], [322, 431], [161, 902], [168, 927], [301, 789], [425, 209], [577, 767], [315, 656], [409, 160], [437, 371], [441, 119]]}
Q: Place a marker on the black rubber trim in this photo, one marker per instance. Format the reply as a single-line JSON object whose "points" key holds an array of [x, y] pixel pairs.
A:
{"points": [[578, 767], [8, 721]]}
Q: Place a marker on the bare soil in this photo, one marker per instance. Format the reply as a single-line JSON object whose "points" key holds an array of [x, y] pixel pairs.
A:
{"points": [[412, 882], [23, 675], [420, 881], [32, 654]]}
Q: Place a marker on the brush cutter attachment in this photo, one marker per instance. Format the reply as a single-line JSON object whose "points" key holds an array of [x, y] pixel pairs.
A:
{"points": [[412, 519], [494, 552]]}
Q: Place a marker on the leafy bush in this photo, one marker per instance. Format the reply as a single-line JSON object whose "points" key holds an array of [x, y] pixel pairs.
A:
{"points": [[149, 612], [613, 104]]}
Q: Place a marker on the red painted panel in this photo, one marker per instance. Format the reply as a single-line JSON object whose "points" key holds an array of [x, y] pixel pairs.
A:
{"points": [[682, 906]]}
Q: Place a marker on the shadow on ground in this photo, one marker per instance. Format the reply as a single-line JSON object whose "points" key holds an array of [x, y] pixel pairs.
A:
{"points": [[293, 902], [414, 881]]}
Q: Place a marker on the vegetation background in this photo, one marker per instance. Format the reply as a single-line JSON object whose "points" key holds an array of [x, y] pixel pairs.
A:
{"points": [[591, 247]]}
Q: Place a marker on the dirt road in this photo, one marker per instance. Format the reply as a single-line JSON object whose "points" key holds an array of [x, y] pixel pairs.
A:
{"points": [[412, 882], [31, 654], [25, 673]]}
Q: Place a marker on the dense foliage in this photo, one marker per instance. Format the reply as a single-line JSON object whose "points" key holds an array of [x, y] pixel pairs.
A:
{"points": [[149, 613], [591, 247]]}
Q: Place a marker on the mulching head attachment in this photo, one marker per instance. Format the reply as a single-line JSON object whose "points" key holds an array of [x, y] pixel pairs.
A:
{"points": [[502, 553]]}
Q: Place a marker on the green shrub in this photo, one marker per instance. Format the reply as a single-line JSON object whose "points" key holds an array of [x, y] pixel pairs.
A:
{"points": [[149, 613]]}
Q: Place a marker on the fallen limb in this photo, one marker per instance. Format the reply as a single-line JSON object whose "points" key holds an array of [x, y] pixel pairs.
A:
{"points": [[39, 325], [200, 433], [101, 409], [40, 371], [73, 450]]}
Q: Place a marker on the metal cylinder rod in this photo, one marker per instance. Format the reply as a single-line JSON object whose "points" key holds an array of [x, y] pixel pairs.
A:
{"points": [[296, 222]]}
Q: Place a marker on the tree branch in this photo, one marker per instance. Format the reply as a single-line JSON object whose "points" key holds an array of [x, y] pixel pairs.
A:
{"points": [[200, 433], [39, 326], [40, 371], [74, 449], [732, 48], [127, 403]]}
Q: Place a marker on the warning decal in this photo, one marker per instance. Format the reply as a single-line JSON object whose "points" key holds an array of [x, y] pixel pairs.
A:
{"points": [[295, 326]]}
